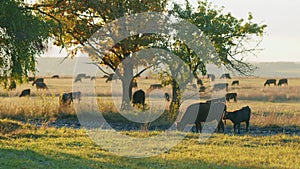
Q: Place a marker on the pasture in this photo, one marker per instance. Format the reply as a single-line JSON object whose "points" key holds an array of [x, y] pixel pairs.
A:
{"points": [[36, 132]]}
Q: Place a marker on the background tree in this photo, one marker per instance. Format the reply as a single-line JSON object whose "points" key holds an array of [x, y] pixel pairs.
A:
{"points": [[22, 37]]}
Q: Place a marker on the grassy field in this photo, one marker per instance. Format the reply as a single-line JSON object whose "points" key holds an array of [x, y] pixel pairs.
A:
{"points": [[24, 144]]}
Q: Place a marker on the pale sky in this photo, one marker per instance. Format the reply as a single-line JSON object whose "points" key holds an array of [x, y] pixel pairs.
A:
{"points": [[282, 39]]}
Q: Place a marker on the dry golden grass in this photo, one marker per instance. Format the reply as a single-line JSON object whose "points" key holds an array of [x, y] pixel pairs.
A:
{"points": [[270, 105]]}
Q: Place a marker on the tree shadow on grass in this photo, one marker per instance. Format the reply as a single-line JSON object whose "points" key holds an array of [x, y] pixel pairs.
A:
{"points": [[13, 158]]}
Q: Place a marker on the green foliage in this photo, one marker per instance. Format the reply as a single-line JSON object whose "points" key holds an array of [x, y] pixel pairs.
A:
{"points": [[21, 37]]}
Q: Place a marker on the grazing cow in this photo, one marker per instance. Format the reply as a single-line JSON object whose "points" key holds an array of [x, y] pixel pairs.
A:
{"points": [[138, 98], [282, 81], [55, 76], [238, 116], [220, 86], [41, 85], [25, 92], [68, 98], [37, 81], [225, 76], [212, 77], [155, 86], [199, 112], [199, 82], [12, 85], [167, 97], [93, 78], [270, 81], [202, 89], [79, 77], [231, 96], [235, 82]]}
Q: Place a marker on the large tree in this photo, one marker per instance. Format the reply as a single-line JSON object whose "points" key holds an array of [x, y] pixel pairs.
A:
{"points": [[78, 20], [22, 37]]}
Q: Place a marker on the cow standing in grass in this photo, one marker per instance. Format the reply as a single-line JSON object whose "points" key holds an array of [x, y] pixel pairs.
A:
{"points": [[235, 82], [231, 96], [282, 81], [238, 116], [67, 98], [199, 112], [41, 85], [25, 92], [139, 98], [270, 81], [38, 80]]}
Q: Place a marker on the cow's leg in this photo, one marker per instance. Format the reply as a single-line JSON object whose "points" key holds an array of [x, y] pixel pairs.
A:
{"points": [[247, 126], [221, 126], [239, 127], [198, 127], [234, 128]]}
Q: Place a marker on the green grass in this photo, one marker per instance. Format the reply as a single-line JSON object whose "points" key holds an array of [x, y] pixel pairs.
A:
{"points": [[31, 147]]}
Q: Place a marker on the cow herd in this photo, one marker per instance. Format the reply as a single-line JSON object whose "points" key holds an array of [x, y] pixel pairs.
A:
{"points": [[195, 114]]}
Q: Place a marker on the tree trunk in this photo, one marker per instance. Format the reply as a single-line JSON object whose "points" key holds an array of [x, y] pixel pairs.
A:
{"points": [[126, 85], [175, 103]]}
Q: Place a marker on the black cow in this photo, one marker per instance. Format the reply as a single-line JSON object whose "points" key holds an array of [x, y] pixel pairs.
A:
{"points": [[155, 86], [199, 82], [167, 97], [238, 116], [235, 82], [55, 76], [231, 96], [25, 92], [138, 98], [202, 89], [225, 76], [212, 77], [282, 81], [68, 98], [37, 81], [41, 85], [199, 112], [270, 81], [220, 86]]}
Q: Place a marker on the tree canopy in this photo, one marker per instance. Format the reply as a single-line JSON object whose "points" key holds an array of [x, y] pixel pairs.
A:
{"points": [[22, 37]]}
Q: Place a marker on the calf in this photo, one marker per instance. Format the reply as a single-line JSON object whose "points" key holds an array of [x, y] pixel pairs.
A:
{"points": [[238, 116], [25, 92], [138, 98], [199, 112], [235, 82], [270, 81], [282, 81], [231, 96]]}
